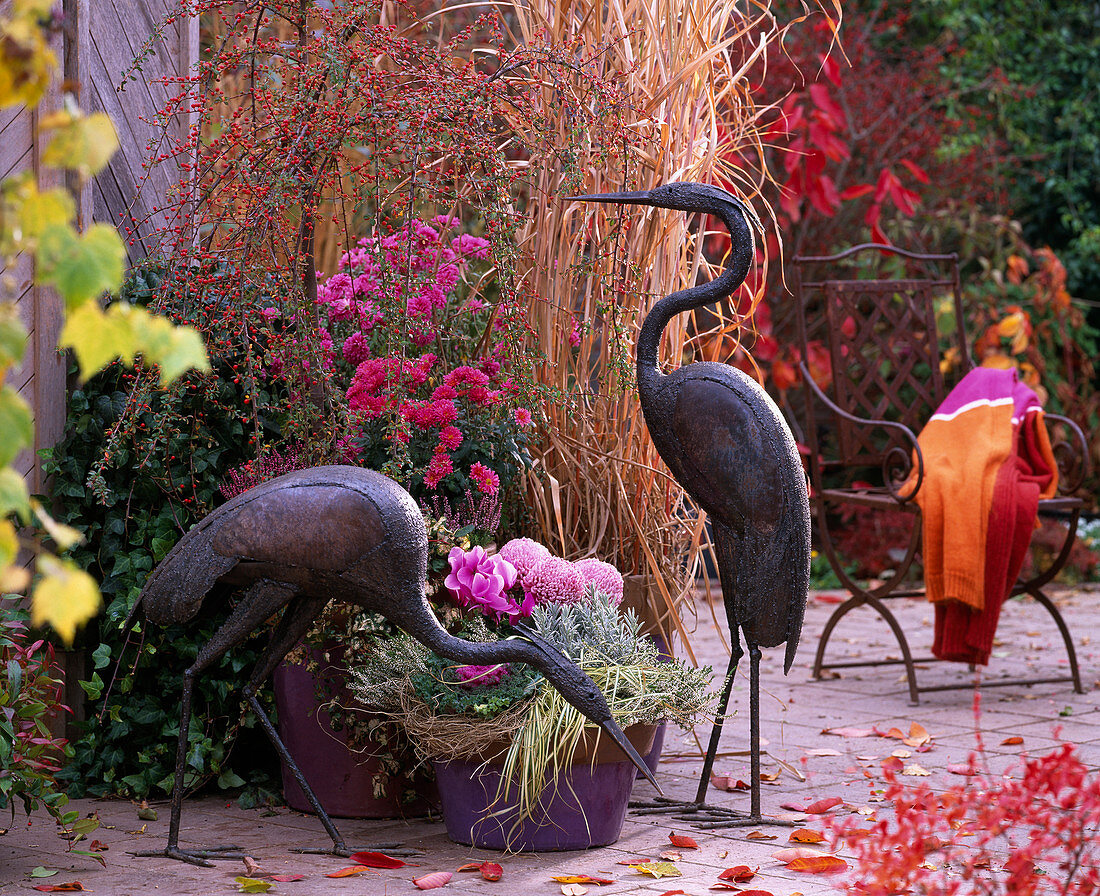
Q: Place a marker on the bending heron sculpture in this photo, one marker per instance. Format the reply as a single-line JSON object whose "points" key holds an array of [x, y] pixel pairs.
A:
{"points": [[326, 533], [727, 444]]}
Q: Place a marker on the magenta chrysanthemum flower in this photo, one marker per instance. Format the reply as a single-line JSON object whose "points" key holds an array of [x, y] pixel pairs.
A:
{"points": [[481, 676], [522, 417], [556, 581], [604, 577], [480, 580], [524, 554], [488, 482]]}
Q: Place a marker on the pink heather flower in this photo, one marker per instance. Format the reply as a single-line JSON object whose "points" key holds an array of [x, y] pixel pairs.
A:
{"points": [[479, 580], [356, 348], [524, 554], [604, 577], [522, 417], [481, 676], [556, 581], [450, 437], [488, 482], [438, 469]]}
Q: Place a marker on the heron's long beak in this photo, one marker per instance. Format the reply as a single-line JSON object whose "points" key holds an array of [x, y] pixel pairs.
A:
{"points": [[638, 197], [616, 734]]}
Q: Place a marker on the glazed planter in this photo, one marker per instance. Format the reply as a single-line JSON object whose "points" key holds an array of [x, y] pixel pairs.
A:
{"points": [[348, 783], [585, 809]]}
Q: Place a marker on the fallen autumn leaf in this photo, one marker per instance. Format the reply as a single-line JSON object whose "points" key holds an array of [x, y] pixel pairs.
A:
{"points": [[376, 860], [432, 881]]}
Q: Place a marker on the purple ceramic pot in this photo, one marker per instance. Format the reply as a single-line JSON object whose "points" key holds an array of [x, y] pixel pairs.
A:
{"points": [[343, 780], [586, 809]]}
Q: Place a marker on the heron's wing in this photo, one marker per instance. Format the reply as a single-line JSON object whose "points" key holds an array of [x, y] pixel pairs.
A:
{"points": [[739, 461]]}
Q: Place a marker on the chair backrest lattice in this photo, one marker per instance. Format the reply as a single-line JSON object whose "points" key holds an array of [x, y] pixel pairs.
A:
{"points": [[872, 312]]}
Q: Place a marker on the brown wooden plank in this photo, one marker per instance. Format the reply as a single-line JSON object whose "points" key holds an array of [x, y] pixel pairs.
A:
{"points": [[15, 153]]}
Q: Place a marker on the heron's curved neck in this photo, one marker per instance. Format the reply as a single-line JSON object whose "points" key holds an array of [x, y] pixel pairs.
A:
{"points": [[742, 251]]}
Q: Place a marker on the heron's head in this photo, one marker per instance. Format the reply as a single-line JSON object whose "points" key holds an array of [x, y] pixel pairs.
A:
{"points": [[685, 196], [581, 692]]}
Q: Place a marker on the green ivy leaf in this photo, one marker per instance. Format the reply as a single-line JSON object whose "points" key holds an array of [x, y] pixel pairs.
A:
{"points": [[80, 266]]}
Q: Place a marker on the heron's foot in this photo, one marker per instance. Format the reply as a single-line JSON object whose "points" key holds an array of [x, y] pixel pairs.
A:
{"points": [[704, 816], [346, 852], [194, 856]]}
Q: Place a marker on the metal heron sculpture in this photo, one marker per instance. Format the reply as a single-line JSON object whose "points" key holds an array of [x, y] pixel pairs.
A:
{"points": [[727, 444], [297, 542]]}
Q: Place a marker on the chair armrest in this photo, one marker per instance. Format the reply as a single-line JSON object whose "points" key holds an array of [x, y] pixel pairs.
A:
{"points": [[1071, 455], [898, 463]]}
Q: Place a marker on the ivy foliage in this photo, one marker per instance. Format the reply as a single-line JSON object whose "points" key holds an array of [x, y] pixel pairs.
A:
{"points": [[165, 469]]}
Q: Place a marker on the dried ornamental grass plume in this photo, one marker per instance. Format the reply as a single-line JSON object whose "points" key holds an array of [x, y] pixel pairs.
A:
{"points": [[524, 554], [602, 576], [556, 581]]}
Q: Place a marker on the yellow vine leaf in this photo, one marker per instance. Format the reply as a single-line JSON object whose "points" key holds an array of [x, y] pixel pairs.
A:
{"points": [[13, 336], [82, 143], [37, 212], [81, 266], [125, 331], [13, 494], [64, 536], [25, 59], [16, 423], [64, 598]]}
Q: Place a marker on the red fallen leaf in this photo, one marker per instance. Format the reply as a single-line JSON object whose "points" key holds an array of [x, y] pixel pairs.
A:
{"points": [[349, 871], [958, 768], [818, 864], [433, 881], [470, 866], [728, 784], [376, 860], [491, 871], [895, 733], [756, 893], [74, 887], [790, 853], [722, 885], [286, 878], [739, 873], [1012, 741], [682, 841], [98, 846], [633, 861], [760, 835], [805, 835], [893, 764], [823, 805]]}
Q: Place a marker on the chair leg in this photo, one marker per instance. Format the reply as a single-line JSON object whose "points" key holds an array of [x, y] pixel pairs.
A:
{"points": [[903, 643], [1060, 621]]}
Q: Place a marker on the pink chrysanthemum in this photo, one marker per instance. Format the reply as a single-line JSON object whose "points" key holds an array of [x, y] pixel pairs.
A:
{"points": [[524, 554], [556, 581], [450, 437], [603, 576], [522, 417], [481, 676], [438, 469], [488, 482]]}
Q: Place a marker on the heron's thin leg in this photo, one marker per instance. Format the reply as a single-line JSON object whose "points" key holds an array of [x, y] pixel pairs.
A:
{"points": [[754, 731], [258, 604], [720, 717]]}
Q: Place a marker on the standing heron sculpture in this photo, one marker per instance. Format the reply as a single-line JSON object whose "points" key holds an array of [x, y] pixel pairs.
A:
{"points": [[297, 542], [727, 444]]}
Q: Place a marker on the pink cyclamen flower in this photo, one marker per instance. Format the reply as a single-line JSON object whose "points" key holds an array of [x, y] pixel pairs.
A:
{"points": [[524, 554], [488, 482], [604, 577], [555, 581], [480, 580], [481, 676]]}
